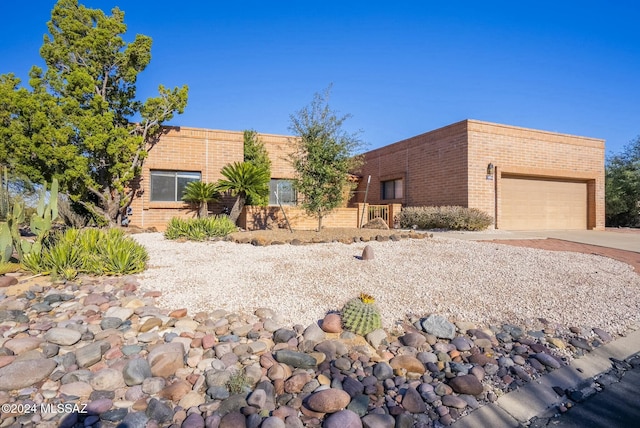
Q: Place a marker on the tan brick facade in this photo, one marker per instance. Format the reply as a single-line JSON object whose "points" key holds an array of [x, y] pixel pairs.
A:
{"points": [[448, 166], [198, 150]]}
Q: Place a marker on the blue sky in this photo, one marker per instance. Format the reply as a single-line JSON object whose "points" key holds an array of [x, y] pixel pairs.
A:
{"points": [[399, 68]]}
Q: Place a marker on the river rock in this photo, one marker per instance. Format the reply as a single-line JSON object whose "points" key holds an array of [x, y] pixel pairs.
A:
{"points": [[328, 400], [62, 336], [136, 371], [92, 353], [165, 359], [547, 360], [295, 359], [374, 420], [343, 419], [21, 374], [367, 253], [453, 401], [107, 380], [412, 401], [6, 281], [332, 323], [408, 363], [439, 327], [466, 384], [159, 411]]}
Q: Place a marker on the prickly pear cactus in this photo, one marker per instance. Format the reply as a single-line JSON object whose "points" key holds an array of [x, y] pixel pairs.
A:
{"points": [[360, 315]]}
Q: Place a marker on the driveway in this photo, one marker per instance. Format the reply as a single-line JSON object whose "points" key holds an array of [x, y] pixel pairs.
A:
{"points": [[619, 244]]}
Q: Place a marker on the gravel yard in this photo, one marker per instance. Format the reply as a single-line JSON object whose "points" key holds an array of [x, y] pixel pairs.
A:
{"points": [[477, 282]]}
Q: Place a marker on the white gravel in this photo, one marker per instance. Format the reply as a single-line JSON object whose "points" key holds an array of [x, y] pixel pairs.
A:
{"points": [[465, 281]]}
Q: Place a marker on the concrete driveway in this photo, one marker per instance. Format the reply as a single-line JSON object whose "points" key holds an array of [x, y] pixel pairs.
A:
{"points": [[623, 239]]}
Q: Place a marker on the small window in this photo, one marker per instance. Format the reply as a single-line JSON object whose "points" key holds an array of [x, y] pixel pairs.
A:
{"points": [[168, 186], [286, 193], [392, 189]]}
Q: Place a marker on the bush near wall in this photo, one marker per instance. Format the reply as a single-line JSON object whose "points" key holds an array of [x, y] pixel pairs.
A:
{"points": [[199, 229], [447, 217]]}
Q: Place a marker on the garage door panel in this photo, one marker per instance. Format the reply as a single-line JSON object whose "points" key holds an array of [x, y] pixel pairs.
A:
{"points": [[528, 204]]}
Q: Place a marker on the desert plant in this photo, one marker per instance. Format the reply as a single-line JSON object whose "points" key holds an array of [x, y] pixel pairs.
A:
{"points": [[360, 315], [238, 383], [8, 267], [446, 217], [91, 251], [255, 152], [200, 194], [242, 180], [41, 222], [199, 229], [4, 193]]}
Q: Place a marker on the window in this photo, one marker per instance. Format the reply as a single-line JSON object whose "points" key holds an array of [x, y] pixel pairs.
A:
{"points": [[392, 189], [168, 186], [286, 193]]}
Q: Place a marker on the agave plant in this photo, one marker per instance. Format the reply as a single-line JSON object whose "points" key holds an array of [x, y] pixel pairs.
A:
{"points": [[200, 194], [243, 179], [92, 251]]}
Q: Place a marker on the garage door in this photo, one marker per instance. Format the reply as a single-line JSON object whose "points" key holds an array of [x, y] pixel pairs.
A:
{"points": [[528, 204]]}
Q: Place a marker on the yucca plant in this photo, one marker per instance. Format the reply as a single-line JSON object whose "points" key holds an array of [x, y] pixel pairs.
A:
{"points": [[92, 251], [199, 229], [200, 194], [243, 179]]}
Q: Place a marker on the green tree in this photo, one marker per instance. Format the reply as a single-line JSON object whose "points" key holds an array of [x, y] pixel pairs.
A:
{"points": [[200, 194], [243, 180], [81, 121], [622, 190], [256, 153], [323, 156]]}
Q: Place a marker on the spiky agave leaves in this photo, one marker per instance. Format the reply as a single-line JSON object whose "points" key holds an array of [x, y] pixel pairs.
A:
{"points": [[360, 315]]}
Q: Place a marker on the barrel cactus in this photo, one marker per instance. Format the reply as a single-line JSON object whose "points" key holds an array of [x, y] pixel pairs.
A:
{"points": [[360, 315]]}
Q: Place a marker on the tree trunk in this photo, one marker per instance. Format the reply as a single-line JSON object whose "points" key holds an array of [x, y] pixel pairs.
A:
{"points": [[203, 209], [238, 205], [319, 221]]}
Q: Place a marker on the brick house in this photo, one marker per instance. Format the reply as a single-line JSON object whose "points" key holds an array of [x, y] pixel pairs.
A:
{"points": [[186, 154], [524, 178]]}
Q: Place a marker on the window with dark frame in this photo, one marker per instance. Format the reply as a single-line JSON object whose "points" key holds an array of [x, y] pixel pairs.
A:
{"points": [[391, 189], [168, 186]]}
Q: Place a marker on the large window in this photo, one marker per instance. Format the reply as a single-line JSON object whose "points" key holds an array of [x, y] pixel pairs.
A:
{"points": [[392, 189], [286, 193], [168, 186]]}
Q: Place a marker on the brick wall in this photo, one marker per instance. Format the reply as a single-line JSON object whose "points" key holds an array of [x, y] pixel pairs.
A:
{"points": [[527, 152], [197, 150], [448, 166], [432, 165], [253, 218]]}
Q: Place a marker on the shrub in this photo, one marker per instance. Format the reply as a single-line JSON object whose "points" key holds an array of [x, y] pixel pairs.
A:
{"points": [[448, 217], [199, 229], [92, 251]]}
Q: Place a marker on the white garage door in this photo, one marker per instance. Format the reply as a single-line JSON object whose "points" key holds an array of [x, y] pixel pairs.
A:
{"points": [[528, 203]]}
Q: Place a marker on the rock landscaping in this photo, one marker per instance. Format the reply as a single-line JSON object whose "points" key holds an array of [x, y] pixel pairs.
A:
{"points": [[100, 352]]}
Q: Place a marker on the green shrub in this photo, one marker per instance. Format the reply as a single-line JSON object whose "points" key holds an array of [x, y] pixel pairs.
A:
{"points": [[448, 217], [91, 251], [199, 229]]}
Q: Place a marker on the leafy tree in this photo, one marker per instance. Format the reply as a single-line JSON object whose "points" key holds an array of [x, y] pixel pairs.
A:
{"points": [[256, 153], [323, 156], [77, 122], [243, 180], [200, 194], [622, 191]]}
